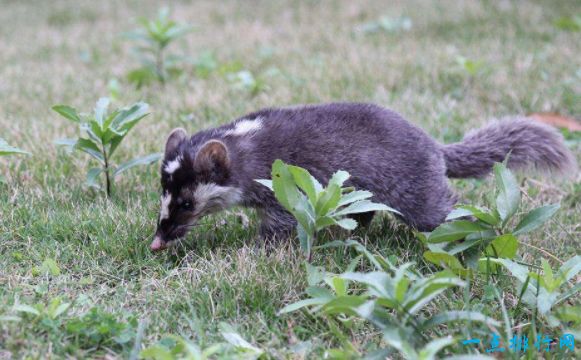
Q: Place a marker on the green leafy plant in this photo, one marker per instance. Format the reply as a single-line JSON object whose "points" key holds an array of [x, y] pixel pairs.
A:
{"points": [[492, 234], [154, 37], [175, 347], [315, 207], [544, 291], [48, 316], [389, 297], [104, 133], [98, 328]]}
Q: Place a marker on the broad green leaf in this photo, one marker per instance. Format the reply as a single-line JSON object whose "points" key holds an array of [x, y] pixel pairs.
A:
{"points": [[6, 149], [393, 338], [95, 131], [328, 200], [504, 246], [306, 182], [401, 287], [60, 309], [128, 117], [508, 199], [375, 280], [568, 294], [459, 315], [362, 207], [455, 230], [478, 212], [548, 279], [432, 348], [109, 119], [283, 185], [26, 309], [464, 245], [144, 160], [571, 267], [354, 196], [93, 177], [89, 147], [304, 239], [424, 291], [348, 224], [303, 303], [265, 182], [347, 304], [69, 143], [67, 112], [339, 178], [458, 213], [325, 221], [236, 340], [536, 218], [315, 275], [101, 110], [114, 142], [443, 260], [339, 285], [517, 270], [304, 213]]}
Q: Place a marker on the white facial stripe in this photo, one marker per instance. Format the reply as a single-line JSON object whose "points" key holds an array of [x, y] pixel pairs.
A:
{"points": [[173, 165], [165, 201], [212, 197], [244, 127]]}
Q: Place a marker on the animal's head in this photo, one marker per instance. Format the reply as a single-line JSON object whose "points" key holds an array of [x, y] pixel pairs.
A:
{"points": [[195, 181]]}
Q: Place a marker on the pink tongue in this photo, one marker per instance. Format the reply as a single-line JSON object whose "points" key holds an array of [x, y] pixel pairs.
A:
{"points": [[158, 244]]}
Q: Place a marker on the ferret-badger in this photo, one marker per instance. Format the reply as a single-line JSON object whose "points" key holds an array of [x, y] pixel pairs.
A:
{"points": [[385, 154]]}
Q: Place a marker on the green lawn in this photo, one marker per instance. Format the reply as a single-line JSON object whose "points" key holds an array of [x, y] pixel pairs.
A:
{"points": [[517, 61]]}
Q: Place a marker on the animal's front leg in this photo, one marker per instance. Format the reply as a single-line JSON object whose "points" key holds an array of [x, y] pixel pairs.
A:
{"points": [[277, 224]]}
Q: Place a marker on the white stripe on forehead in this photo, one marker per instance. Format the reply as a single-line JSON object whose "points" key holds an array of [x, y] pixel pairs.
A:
{"points": [[173, 165], [245, 126], [165, 201]]}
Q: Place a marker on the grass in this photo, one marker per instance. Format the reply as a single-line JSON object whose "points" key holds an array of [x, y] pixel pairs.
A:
{"points": [[66, 52]]}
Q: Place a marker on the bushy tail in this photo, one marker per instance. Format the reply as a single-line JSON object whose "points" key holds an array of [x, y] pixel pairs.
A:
{"points": [[529, 143]]}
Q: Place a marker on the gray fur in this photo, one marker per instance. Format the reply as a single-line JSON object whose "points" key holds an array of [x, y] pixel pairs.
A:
{"points": [[531, 145], [398, 162]]}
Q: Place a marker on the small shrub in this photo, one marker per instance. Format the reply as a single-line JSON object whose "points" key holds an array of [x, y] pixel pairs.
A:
{"points": [[390, 298], [98, 328], [104, 133], [154, 37], [315, 207], [175, 347], [492, 234], [544, 291]]}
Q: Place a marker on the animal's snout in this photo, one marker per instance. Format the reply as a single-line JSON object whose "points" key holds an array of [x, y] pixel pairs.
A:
{"points": [[158, 244]]}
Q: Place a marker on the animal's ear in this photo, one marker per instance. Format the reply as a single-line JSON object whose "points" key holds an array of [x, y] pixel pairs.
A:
{"points": [[213, 154], [174, 139]]}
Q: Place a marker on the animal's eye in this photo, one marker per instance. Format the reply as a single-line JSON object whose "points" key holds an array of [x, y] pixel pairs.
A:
{"points": [[187, 205]]}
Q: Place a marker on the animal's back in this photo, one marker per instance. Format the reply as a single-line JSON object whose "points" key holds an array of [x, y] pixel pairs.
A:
{"points": [[385, 154]]}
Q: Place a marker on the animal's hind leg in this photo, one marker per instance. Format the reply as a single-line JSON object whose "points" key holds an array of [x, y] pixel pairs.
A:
{"points": [[363, 219], [276, 225]]}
